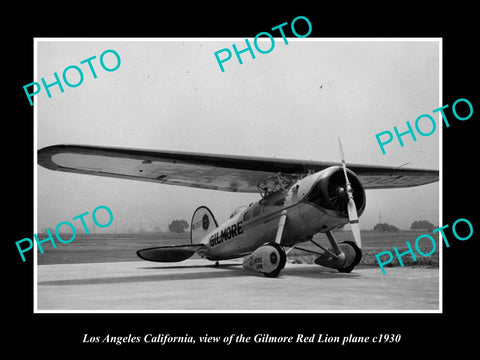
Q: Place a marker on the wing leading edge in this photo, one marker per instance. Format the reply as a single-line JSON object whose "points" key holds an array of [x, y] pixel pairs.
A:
{"points": [[210, 171]]}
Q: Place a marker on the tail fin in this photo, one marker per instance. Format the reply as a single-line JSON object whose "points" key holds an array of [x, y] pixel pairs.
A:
{"points": [[202, 223]]}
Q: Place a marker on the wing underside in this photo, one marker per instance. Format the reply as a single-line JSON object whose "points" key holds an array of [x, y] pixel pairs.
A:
{"points": [[208, 171]]}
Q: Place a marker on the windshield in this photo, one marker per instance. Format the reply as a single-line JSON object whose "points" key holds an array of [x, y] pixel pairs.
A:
{"points": [[239, 209]]}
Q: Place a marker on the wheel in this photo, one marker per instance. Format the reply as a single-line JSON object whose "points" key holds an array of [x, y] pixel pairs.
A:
{"points": [[353, 255], [268, 259], [274, 260]]}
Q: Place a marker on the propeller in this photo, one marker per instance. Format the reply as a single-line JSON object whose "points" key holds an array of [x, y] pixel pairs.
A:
{"points": [[352, 209]]}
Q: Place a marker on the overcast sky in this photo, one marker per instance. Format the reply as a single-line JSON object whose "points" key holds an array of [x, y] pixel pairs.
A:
{"points": [[290, 103]]}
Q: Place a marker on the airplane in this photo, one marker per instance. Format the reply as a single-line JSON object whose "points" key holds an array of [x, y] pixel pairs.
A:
{"points": [[298, 199]]}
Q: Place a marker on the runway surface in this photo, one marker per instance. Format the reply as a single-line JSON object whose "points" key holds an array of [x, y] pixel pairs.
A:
{"points": [[197, 285]]}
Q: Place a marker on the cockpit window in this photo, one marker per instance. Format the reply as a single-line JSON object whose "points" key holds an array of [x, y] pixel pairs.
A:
{"points": [[238, 210]]}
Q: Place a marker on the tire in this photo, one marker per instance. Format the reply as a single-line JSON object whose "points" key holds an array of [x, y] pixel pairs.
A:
{"points": [[281, 262], [357, 258]]}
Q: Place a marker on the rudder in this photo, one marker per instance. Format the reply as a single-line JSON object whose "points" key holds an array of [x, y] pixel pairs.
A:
{"points": [[202, 223]]}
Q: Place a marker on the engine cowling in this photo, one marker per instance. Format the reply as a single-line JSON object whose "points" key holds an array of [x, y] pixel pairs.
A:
{"points": [[268, 260], [330, 192]]}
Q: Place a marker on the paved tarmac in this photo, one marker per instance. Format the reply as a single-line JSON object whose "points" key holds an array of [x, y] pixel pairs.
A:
{"points": [[197, 285]]}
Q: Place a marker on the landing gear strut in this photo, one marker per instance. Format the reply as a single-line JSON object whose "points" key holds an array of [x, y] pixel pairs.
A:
{"points": [[269, 259], [343, 257]]}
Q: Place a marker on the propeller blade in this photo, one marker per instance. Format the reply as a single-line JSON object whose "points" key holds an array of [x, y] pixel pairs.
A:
{"points": [[352, 209], [341, 150], [354, 223], [344, 166]]}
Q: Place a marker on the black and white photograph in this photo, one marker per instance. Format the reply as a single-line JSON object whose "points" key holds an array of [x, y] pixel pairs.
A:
{"points": [[288, 181], [271, 171]]}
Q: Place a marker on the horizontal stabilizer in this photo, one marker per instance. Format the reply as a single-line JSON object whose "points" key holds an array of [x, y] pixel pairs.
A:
{"points": [[173, 253]]}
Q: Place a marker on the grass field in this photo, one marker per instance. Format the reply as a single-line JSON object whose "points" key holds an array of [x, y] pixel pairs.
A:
{"points": [[122, 247]]}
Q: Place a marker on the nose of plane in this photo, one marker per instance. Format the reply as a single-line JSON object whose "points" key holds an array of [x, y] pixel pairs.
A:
{"points": [[341, 195], [330, 192]]}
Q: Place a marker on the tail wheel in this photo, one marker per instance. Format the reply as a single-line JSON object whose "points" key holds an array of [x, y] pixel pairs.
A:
{"points": [[353, 255]]}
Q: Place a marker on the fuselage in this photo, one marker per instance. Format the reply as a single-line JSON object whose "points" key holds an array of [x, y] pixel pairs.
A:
{"points": [[309, 211]]}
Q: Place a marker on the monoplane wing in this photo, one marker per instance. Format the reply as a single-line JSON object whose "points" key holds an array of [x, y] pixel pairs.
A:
{"points": [[211, 171]]}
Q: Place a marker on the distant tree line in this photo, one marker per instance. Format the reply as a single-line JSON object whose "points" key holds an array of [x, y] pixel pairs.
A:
{"points": [[384, 227], [178, 226], [416, 225], [422, 225]]}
